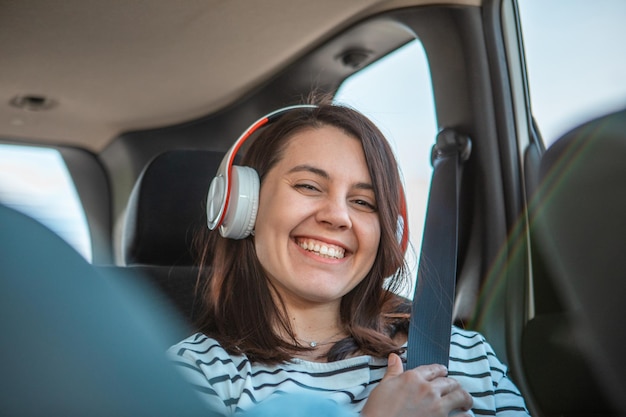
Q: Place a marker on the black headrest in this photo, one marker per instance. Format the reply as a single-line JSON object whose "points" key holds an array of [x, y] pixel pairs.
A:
{"points": [[167, 207]]}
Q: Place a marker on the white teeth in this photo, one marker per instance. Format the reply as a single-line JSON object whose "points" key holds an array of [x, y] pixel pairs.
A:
{"points": [[322, 250]]}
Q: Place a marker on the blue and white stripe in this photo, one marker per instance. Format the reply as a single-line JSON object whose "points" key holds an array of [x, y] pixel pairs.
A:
{"points": [[229, 384]]}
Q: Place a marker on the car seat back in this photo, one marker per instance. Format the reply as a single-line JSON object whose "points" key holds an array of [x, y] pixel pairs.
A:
{"points": [[574, 356], [167, 206], [79, 341], [165, 211]]}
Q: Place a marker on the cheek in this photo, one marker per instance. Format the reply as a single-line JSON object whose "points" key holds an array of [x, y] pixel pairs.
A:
{"points": [[370, 237], [274, 221], [268, 207]]}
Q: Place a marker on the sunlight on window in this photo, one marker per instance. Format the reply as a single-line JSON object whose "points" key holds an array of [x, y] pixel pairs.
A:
{"points": [[36, 182], [396, 94], [575, 70]]}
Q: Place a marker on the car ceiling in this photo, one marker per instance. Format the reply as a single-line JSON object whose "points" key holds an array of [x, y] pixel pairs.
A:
{"points": [[81, 72]]}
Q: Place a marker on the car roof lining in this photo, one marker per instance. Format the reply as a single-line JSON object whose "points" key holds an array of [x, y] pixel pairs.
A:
{"points": [[136, 67]]}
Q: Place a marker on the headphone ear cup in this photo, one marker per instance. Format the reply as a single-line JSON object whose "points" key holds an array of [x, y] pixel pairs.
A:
{"points": [[242, 209], [215, 201]]}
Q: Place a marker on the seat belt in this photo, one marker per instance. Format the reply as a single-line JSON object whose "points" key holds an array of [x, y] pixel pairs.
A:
{"points": [[433, 300]]}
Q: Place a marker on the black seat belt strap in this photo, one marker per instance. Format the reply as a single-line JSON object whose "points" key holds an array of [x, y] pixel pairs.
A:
{"points": [[433, 300]]}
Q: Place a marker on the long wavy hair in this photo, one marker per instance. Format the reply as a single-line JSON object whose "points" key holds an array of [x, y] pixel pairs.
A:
{"points": [[239, 310]]}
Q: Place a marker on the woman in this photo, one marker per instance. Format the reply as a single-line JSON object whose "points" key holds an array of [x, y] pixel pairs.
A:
{"points": [[306, 303]]}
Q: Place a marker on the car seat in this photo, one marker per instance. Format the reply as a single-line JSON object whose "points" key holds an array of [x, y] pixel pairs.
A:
{"points": [[165, 210], [167, 206], [80, 341], [574, 356]]}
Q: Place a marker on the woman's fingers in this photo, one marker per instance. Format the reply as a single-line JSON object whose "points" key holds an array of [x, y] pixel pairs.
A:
{"points": [[425, 372], [452, 395], [458, 398], [431, 372], [445, 385], [423, 391], [394, 366]]}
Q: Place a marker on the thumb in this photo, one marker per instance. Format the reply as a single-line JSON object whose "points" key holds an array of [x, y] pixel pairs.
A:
{"points": [[394, 366]]}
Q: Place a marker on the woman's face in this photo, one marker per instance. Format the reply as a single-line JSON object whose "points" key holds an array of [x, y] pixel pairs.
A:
{"points": [[317, 230]]}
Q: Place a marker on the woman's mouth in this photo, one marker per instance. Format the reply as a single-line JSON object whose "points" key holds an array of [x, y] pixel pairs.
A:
{"points": [[325, 250]]}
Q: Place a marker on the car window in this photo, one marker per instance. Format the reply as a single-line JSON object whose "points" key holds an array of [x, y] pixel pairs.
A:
{"points": [[35, 181], [396, 94], [575, 60]]}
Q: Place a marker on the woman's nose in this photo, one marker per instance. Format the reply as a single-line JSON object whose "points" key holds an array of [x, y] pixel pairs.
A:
{"points": [[335, 212]]}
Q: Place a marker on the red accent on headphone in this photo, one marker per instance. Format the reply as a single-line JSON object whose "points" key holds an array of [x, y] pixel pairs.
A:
{"points": [[234, 151]]}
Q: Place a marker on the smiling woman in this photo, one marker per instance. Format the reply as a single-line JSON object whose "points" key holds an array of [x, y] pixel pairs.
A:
{"points": [[142, 99], [307, 302], [331, 201]]}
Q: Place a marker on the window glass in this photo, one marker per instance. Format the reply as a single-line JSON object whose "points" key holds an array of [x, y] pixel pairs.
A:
{"points": [[396, 94], [575, 60], [36, 182]]}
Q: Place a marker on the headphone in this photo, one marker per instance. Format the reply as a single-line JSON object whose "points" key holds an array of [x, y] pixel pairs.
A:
{"points": [[235, 217], [233, 198]]}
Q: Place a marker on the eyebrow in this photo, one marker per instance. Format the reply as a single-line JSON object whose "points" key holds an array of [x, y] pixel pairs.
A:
{"points": [[320, 172]]}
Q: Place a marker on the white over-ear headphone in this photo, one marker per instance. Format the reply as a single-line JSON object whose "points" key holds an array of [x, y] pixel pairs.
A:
{"points": [[233, 198]]}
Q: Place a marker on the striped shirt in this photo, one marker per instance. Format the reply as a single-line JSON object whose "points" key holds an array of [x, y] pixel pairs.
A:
{"points": [[230, 383]]}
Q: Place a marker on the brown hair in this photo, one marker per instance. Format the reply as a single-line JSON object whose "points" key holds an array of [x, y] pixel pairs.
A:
{"points": [[239, 310]]}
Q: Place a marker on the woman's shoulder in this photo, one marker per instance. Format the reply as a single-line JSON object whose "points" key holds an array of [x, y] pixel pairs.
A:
{"points": [[470, 347], [196, 339], [458, 334], [203, 357], [468, 341], [199, 345]]}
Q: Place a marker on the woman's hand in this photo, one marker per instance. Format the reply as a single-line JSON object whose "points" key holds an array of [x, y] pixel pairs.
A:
{"points": [[423, 391]]}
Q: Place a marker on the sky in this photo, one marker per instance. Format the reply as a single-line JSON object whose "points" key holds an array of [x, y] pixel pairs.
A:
{"points": [[576, 61]]}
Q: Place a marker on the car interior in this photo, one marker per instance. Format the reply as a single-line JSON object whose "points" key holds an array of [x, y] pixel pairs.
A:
{"points": [[142, 101]]}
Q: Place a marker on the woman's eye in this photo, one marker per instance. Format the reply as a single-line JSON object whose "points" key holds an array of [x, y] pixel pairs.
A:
{"points": [[365, 205], [306, 187]]}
